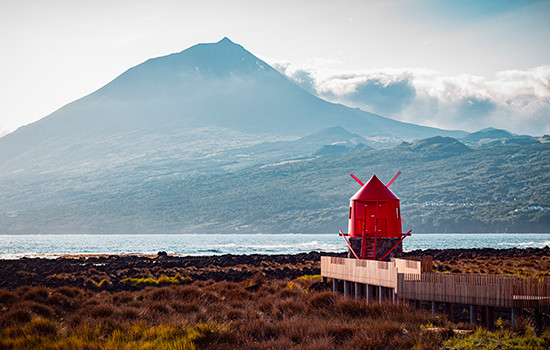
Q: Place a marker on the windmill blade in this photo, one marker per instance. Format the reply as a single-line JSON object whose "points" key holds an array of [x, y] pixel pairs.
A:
{"points": [[393, 178], [356, 179]]}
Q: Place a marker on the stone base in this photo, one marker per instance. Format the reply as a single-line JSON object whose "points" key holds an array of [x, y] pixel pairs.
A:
{"points": [[383, 245]]}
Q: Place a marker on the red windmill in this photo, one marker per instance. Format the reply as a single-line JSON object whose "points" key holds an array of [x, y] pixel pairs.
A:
{"points": [[374, 228]]}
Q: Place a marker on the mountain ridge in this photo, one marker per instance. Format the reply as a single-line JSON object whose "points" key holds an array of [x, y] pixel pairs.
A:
{"points": [[160, 103], [497, 188], [200, 141]]}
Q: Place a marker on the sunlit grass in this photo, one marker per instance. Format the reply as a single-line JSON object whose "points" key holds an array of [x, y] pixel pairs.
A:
{"points": [[161, 281]]}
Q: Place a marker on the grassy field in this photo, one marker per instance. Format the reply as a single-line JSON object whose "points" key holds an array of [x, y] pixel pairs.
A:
{"points": [[524, 266], [171, 311]]}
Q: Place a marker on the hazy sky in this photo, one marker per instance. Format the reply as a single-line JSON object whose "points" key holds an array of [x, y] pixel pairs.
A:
{"points": [[464, 64]]}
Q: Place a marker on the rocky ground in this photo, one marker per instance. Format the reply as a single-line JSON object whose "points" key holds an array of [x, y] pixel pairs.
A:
{"points": [[89, 271], [109, 272], [453, 254]]}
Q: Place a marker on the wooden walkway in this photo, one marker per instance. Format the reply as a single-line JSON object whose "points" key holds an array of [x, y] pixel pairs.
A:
{"points": [[476, 289], [409, 280]]}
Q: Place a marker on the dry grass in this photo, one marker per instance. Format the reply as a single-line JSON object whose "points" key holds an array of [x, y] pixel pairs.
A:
{"points": [[524, 266], [165, 311], [208, 315]]}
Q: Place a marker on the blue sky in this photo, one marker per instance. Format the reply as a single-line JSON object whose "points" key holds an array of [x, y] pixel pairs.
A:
{"points": [[452, 64]]}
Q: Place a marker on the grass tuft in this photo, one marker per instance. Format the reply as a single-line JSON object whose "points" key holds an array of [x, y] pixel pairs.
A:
{"points": [[163, 280]]}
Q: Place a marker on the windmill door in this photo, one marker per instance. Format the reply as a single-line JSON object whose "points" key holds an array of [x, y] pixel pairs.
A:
{"points": [[370, 219]]}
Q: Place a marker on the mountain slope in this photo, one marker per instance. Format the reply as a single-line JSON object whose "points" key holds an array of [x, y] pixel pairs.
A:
{"points": [[499, 188], [218, 95]]}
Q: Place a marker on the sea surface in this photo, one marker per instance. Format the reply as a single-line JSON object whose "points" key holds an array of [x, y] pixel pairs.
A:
{"points": [[51, 246]]}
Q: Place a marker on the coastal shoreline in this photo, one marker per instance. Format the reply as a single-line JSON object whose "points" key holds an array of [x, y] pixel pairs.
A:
{"points": [[111, 272]]}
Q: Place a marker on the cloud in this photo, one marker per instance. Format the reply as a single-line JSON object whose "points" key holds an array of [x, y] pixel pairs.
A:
{"points": [[383, 94], [516, 100]]}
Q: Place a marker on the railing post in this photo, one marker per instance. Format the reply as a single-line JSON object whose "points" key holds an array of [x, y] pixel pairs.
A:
{"points": [[357, 291], [368, 294], [538, 322], [335, 285], [473, 314], [346, 288], [489, 312], [434, 307], [449, 307], [514, 315], [484, 313]]}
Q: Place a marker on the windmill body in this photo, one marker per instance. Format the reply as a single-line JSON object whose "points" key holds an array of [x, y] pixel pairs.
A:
{"points": [[374, 228]]}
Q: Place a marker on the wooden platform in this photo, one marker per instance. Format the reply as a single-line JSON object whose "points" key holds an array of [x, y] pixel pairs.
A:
{"points": [[477, 289], [408, 281]]}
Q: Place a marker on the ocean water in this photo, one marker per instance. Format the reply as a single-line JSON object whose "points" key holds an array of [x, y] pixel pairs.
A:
{"points": [[17, 246]]}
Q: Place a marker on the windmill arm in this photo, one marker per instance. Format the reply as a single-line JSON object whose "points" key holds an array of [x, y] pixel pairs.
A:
{"points": [[357, 179], [393, 178]]}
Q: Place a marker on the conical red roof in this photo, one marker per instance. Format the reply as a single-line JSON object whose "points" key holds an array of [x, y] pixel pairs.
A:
{"points": [[374, 190]]}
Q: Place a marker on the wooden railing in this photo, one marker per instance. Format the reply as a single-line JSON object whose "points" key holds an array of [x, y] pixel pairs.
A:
{"points": [[409, 282], [408, 266], [476, 289], [379, 273]]}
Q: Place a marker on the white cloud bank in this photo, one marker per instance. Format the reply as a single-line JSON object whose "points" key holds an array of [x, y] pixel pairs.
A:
{"points": [[516, 100]]}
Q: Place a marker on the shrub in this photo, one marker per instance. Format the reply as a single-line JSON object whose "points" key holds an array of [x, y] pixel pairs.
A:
{"points": [[123, 297], [185, 308], [350, 307], [7, 298], [38, 294], [38, 308], [128, 313], [101, 311], [290, 307], [188, 293], [15, 317], [42, 327], [159, 307], [323, 300]]}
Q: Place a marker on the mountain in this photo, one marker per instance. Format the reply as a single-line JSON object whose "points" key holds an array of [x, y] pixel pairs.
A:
{"points": [[437, 146], [497, 188], [276, 152], [492, 136], [182, 108], [489, 134], [212, 139]]}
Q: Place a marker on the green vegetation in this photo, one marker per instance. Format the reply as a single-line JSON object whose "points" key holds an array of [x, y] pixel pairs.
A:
{"points": [[307, 277], [41, 333], [149, 281], [445, 187], [501, 339]]}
